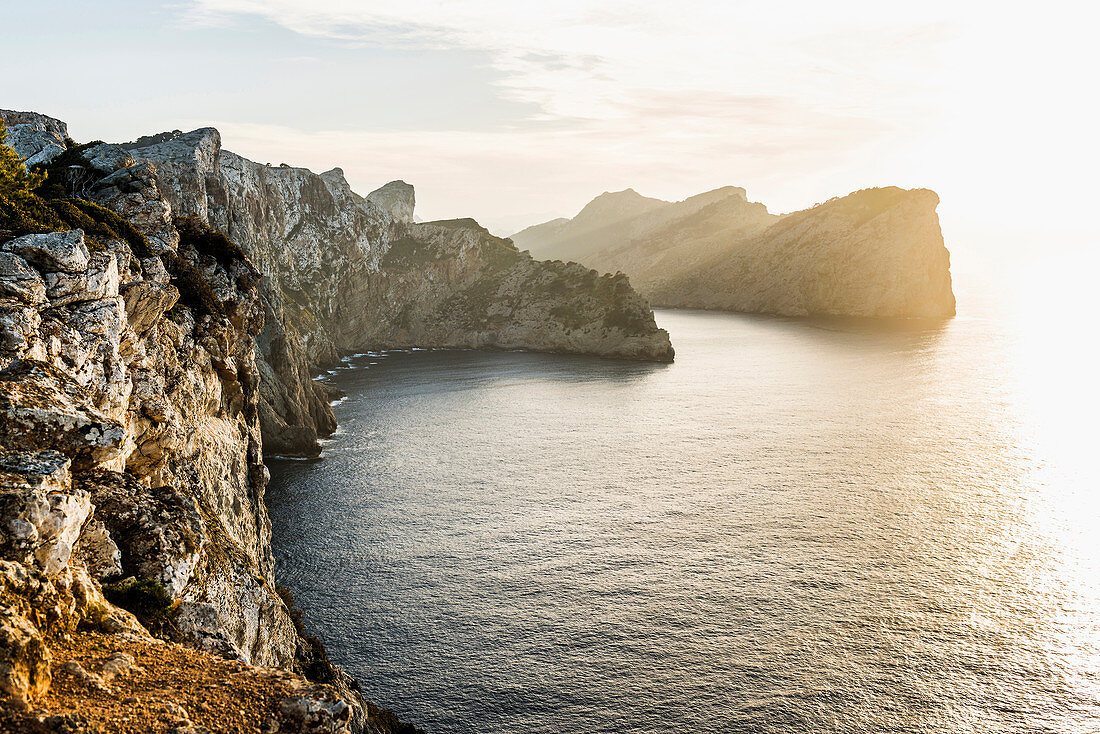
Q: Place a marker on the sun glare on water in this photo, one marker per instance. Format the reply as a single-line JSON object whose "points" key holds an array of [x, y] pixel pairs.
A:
{"points": [[1056, 400]]}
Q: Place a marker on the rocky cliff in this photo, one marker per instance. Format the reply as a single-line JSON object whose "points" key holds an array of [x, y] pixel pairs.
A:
{"points": [[131, 468], [146, 362], [345, 272], [874, 253]]}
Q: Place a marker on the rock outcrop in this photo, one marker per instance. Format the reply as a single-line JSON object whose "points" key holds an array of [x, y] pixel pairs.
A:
{"points": [[131, 463], [147, 359], [874, 253], [346, 273]]}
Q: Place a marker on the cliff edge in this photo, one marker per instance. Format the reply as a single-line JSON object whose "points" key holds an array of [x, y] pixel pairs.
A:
{"points": [[162, 306], [346, 273]]}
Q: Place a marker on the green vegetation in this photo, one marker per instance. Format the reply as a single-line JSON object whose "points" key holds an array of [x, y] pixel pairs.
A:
{"points": [[407, 252], [195, 290], [208, 241], [15, 179], [147, 600], [500, 254], [68, 174], [571, 315], [631, 321], [35, 203]]}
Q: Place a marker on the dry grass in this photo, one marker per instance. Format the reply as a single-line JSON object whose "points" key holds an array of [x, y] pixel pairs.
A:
{"points": [[221, 695]]}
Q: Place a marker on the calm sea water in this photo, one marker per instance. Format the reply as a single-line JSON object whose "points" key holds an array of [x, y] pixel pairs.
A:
{"points": [[797, 527]]}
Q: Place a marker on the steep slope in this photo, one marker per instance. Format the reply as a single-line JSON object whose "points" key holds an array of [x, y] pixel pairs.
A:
{"points": [[873, 253], [146, 362], [130, 452], [877, 252], [346, 272]]}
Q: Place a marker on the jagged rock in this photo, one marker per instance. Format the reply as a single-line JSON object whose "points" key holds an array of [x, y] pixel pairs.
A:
{"points": [[336, 279], [107, 158], [24, 657], [47, 603], [46, 155], [202, 626], [138, 365], [31, 133], [97, 552], [146, 302], [90, 606], [159, 531], [397, 198], [19, 281], [133, 193], [44, 408], [19, 326], [314, 710], [42, 514], [54, 252]]}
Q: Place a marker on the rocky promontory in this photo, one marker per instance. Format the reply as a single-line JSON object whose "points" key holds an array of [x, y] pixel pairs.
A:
{"points": [[873, 253], [345, 272], [163, 304]]}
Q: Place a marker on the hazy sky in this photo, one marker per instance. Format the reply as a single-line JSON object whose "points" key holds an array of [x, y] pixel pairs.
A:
{"points": [[514, 112]]}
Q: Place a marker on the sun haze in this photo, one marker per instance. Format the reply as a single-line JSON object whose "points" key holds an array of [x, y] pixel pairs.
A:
{"points": [[516, 112]]}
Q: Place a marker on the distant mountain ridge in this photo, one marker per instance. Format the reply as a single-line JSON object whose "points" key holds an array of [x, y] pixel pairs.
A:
{"points": [[874, 253]]}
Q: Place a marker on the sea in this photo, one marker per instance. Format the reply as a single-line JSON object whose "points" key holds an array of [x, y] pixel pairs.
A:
{"points": [[800, 525]]}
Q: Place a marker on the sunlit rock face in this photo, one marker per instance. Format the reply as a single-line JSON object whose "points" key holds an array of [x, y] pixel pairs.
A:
{"points": [[145, 401], [345, 273], [141, 365], [34, 137], [396, 198], [874, 253]]}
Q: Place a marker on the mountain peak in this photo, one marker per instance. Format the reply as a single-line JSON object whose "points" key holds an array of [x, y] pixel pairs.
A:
{"points": [[613, 206], [397, 198]]}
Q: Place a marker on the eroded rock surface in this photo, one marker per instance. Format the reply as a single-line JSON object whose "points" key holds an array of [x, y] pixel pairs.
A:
{"points": [[150, 354], [346, 273], [131, 442]]}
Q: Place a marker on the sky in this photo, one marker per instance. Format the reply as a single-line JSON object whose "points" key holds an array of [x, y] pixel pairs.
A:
{"points": [[515, 112]]}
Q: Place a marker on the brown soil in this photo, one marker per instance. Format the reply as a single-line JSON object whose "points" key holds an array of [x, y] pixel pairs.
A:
{"points": [[221, 695]]}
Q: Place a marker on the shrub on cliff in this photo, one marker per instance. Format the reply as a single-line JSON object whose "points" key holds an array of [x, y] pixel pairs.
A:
{"points": [[195, 290], [146, 600], [208, 241], [30, 203], [15, 179]]}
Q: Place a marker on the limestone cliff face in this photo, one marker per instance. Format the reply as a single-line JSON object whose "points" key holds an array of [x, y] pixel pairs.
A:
{"points": [[452, 284], [154, 401], [130, 442], [874, 253], [345, 272], [146, 359]]}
